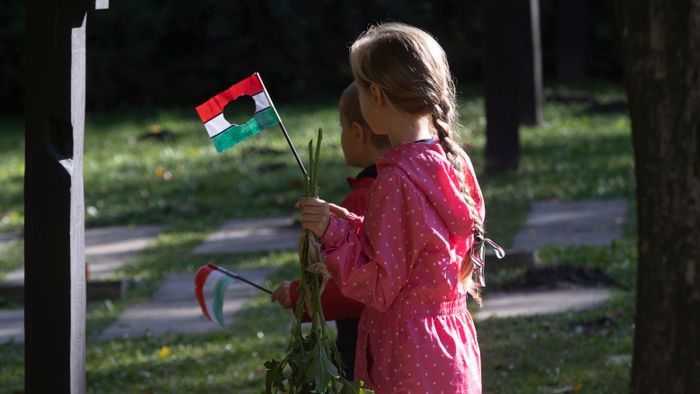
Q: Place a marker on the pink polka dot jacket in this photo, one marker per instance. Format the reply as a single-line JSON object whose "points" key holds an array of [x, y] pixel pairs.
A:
{"points": [[402, 261]]}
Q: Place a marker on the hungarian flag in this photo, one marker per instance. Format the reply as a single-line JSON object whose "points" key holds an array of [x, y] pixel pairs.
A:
{"points": [[209, 274], [223, 134]]}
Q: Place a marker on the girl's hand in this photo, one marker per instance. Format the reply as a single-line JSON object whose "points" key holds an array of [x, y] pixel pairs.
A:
{"points": [[315, 214], [281, 295]]}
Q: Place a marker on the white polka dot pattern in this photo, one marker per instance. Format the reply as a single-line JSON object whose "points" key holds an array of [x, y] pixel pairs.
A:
{"points": [[402, 260]]}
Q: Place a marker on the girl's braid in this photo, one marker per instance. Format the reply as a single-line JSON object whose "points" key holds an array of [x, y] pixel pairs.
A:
{"points": [[443, 116]]}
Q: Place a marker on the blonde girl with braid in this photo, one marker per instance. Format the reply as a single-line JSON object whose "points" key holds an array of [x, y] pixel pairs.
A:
{"points": [[417, 252]]}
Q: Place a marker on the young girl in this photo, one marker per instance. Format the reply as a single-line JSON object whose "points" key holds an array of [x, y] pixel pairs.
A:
{"points": [[408, 260]]}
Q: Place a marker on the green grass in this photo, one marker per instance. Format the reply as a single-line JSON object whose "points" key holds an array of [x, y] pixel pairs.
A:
{"points": [[226, 361], [572, 155], [545, 353]]}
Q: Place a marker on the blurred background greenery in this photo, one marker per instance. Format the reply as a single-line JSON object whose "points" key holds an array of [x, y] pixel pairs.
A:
{"points": [[154, 54]]}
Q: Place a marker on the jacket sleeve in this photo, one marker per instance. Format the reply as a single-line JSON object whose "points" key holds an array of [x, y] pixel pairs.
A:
{"points": [[335, 305], [373, 264], [356, 201]]}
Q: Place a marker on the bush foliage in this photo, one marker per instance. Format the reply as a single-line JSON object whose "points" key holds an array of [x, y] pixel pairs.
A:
{"points": [[180, 52]]}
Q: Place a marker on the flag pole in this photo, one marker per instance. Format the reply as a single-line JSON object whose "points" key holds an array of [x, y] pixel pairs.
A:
{"points": [[284, 130], [235, 276]]}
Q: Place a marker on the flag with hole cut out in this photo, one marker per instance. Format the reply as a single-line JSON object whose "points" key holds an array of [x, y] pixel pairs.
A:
{"points": [[224, 134]]}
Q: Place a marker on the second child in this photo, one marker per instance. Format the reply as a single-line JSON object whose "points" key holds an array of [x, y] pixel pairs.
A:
{"points": [[361, 149]]}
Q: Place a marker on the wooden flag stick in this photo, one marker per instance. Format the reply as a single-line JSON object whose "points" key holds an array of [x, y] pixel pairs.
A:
{"points": [[291, 145], [284, 131], [236, 276]]}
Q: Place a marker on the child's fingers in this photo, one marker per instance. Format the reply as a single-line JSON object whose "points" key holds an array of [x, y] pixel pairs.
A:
{"points": [[314, 215], [315, 225], [279, 292], [338, 211], [312, 223], [315, 210], [309, 201]]}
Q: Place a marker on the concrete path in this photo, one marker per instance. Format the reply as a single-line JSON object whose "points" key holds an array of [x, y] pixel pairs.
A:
{"points": [[174, 308], [6, 237], [12, 325], [576, 223], [107, 250], [529, 303], [251, 235]]}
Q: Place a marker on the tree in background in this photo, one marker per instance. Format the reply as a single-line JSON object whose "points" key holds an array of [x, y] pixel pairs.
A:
{"points": [[512, 74], [660, 44]]}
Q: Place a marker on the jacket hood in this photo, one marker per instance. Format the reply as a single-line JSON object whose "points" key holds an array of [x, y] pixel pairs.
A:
{"points": [[428, 168]]}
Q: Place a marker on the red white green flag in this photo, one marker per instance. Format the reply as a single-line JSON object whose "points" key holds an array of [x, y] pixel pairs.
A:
{"points": [[208, 274], [224, 134]]}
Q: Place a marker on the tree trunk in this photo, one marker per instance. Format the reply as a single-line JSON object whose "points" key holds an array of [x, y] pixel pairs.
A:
{"points": [[660, 44], [500, 87], [528, 60], [571, 39], [512, 72]]}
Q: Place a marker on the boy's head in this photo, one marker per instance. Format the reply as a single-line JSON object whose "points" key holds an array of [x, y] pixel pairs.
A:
{"points": [[361, 146]]}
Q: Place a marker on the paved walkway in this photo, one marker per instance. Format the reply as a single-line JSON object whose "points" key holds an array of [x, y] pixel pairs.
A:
{"points": [[9, 236], [528, 303], [173, 308], [251, 235], [107, 249], [11, 325], [576, 223]]}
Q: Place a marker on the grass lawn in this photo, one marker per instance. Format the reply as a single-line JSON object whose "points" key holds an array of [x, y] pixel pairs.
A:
{"points": [[574, 154]]}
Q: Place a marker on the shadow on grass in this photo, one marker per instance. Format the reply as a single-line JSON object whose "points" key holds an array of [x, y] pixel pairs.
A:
{"points": [[569, 352]]}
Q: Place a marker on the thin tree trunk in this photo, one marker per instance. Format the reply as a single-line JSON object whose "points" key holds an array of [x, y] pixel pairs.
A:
{"points": [[528, 60], [660, 43], [572, 22], [500, 87]]}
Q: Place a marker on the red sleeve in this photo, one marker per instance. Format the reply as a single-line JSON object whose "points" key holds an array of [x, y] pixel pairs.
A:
{"points": [[356, 200], [293, 295], [335, 305]]}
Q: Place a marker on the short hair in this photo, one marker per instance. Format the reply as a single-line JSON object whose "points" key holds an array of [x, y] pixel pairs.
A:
{"points": [[350, 109]]}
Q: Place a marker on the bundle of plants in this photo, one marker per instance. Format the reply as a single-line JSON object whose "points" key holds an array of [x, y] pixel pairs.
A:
{"points": [[312, 362]]}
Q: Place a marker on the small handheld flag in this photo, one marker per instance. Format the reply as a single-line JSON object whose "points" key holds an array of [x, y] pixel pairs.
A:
{"points": [[221, 277], [225, 135]]}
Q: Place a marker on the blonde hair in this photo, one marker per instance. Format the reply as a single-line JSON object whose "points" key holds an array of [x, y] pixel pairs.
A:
{"points": [[350, 109], [411, 69]]}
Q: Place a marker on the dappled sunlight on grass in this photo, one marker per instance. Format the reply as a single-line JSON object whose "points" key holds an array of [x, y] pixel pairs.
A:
{"points": [[188, 181], [187, 186], [545, 353], [129, 180], [229, 360]]}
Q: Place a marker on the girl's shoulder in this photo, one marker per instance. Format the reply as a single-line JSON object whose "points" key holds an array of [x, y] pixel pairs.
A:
{"points": [[413, 155]]}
